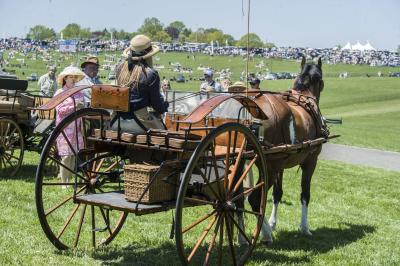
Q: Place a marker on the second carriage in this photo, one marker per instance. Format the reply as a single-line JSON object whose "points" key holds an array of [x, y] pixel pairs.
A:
{"points": [[21, 128]]}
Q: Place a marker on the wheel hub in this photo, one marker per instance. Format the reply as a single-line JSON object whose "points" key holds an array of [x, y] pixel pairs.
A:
{"points": [[226, 206], [2, 150]]}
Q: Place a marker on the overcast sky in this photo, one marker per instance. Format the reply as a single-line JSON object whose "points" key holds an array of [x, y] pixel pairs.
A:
{"points": [[301, 23]]}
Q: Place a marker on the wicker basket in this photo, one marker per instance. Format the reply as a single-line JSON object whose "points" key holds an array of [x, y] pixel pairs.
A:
{"points": [[138, 176]]}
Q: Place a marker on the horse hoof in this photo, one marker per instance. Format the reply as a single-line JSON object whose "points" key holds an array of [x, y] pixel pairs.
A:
{"points": [[305, 231], [267, 242]]}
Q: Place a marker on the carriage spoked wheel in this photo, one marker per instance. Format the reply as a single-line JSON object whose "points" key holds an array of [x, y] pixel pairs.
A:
{"points": [[214, 223], [11, 147], [69, 224]]}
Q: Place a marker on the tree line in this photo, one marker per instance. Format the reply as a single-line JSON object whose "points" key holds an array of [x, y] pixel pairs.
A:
{"points": [[176, 31]]}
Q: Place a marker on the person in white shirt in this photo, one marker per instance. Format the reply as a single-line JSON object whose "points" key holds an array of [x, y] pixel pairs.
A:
{"points": [[47, 83], [210, 85]]}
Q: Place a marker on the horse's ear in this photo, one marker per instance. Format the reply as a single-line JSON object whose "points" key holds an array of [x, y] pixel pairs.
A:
{"points": [[303, 62], [319, 62]]}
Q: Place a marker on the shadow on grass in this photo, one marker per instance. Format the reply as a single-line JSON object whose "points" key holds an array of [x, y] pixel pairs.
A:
{"points": [[138, 254], [26, 172], [323, 240]]}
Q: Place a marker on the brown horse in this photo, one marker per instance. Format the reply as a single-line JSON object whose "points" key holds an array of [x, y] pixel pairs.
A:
{"points": [[293, 117]]}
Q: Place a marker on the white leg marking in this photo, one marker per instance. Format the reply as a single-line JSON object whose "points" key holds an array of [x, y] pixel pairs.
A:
{"points": [[266, 233], [304, 220], [273, 218]]}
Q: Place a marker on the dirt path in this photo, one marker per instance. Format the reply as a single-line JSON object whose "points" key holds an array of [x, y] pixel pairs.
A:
{"points": [[361, 156]]}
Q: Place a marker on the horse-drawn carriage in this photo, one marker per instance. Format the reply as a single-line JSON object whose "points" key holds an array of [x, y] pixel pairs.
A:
{"points": [[20, 128], [197, 166]]}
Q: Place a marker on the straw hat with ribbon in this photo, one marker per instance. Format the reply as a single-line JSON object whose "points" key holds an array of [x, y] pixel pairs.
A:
{"points": [[140, 48], [238, 86], [90, 60], [70, 71]]}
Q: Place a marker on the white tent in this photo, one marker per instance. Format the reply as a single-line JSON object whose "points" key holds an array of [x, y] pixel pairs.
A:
{"points": [[358, 46], [368, 46], [347, 46]]}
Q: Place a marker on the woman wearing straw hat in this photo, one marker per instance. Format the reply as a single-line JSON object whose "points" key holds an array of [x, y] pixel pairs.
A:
{"points": [[136, 72], [67, 79]]}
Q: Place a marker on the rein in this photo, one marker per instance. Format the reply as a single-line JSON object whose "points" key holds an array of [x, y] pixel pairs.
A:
{"points": [[188, 96]]}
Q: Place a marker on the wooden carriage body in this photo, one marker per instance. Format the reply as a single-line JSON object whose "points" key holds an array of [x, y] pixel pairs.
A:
{"points": [[200, 161]]}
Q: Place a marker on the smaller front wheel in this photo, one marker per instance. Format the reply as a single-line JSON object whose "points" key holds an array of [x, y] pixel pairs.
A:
{"points": [[214, 223], [11, 147], [66, 223]]}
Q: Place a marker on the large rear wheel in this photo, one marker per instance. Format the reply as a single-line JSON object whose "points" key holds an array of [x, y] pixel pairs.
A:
{"points": [[214, 223]]}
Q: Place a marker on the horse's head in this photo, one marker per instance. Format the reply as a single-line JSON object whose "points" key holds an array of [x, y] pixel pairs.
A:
{"points": [[309, 81]]}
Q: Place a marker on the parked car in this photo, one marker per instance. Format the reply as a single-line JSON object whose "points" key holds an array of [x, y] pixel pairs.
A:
{"points": [[180, 78], [283, 75], [32, 77], [395, 74], [271, 76]]}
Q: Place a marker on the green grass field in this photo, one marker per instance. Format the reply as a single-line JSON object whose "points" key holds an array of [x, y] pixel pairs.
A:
{"points": [[354, 217]]}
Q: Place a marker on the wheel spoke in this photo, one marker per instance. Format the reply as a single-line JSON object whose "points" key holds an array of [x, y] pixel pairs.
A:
{"points": [[6, 132], [48, 212], [212, 242], [69, 219], [69, 143], [250, 212], [215, 167], [207, 182], [239, 229], [10, 136], [228, 150], [8, 160], [69, 169], [64, 184], [110, 167], [230, 239], [246, 171], [78, 233], [221, 240], [11, 156], [205, 217], [236, 165], [99, 166], [201, 239], [241, 195], [200, 201]]}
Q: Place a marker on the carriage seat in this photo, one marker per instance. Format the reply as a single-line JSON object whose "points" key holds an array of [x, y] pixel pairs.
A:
{"points": [[10, 107]]}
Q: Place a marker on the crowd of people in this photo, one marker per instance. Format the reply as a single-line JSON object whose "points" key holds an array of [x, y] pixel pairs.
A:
{"points": [[330, 55]]}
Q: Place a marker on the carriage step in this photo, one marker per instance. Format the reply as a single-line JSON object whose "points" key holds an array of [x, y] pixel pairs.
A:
{"points": [[116, 200]]}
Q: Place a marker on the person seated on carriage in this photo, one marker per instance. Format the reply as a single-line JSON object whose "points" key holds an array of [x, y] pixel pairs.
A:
{"points": [[165, 86], [67, 79], [136, 72]]}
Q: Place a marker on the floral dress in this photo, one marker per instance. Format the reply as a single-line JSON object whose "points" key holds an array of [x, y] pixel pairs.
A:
{"points": [[74, 136]]}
